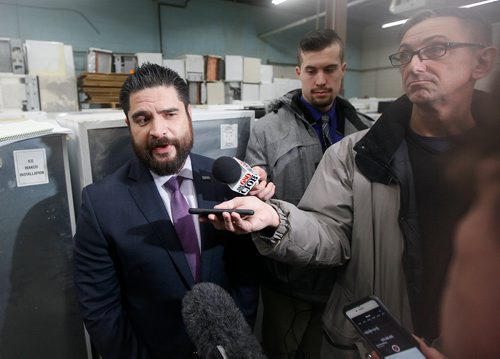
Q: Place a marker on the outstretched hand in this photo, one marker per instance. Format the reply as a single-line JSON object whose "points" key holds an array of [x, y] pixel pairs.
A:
{"points": [[264, 216]]}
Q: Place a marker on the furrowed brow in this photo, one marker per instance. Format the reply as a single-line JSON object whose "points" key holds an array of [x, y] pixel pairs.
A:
{"points": [[139, 114]]}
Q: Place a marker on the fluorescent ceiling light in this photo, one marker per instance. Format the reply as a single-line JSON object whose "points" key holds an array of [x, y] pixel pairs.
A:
{"points": [[277, 2], [477, 4], [400, 22], [394, 23]]}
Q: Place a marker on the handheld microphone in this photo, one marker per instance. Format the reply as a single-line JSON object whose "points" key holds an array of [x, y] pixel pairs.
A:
{"points": [[237, 174], [216, 326]]}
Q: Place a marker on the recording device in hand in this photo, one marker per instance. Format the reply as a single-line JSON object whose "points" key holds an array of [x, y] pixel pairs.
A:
{"points": [[381, 330], [207, 211], [237, 174], [216, 325]]}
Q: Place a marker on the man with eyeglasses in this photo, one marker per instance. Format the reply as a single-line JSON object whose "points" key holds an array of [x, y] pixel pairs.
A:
{"points": [[377, 203]]}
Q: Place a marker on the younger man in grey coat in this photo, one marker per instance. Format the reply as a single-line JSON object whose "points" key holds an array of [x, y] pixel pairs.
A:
{"points": [[288, 143]]}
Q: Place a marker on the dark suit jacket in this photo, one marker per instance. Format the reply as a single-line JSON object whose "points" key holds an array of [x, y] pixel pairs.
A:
{"points": [[130, 270]]}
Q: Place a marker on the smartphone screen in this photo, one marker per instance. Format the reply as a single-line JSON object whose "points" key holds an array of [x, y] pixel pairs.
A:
{"points": [[382, 331]]}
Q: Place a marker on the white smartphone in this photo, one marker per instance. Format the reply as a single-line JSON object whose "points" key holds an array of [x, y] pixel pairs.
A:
{"points": [[381, 330]]}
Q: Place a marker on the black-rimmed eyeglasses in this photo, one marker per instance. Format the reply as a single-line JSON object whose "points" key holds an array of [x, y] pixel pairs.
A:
{"points": [[428, 52]]}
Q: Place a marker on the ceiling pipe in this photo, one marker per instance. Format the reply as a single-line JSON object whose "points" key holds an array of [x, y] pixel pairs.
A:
{"points": [[305, 20], [292, 25]]}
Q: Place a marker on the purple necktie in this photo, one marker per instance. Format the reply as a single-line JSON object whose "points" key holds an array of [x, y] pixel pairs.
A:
{"points": [[184, 226]]}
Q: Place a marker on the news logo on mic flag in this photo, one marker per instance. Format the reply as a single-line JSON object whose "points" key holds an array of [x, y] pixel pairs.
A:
{"points": [[247, 180], [237, 174]]}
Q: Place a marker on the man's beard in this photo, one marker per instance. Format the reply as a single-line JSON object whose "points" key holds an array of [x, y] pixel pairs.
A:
{"points": [[182, 146], [323, 101]]}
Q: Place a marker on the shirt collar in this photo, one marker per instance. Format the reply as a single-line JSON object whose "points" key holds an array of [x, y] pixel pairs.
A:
{"points": [[315, 113], [186, 172]]}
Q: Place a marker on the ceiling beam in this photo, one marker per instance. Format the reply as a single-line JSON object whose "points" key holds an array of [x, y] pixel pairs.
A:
{"points": [[312, 18]]}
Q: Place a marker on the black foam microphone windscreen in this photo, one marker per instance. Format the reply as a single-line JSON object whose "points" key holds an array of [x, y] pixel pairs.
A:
{"points": [[226, 169], [216, 325], [237, 174]]}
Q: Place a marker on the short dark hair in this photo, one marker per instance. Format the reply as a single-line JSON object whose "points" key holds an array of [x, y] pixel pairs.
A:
{"points": [[319, 40], [152, 75], [474, 22]]}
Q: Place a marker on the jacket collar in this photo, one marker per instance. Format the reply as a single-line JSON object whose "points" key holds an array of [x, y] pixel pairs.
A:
{"points": [[345, 110], [291, 98], [285, 100]]}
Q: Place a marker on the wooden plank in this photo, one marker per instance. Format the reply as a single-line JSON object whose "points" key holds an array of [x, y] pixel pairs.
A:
{"points": [[102, 80], [95, 83], [101, 76], [112, 104], [104, 98], [102, 90]]}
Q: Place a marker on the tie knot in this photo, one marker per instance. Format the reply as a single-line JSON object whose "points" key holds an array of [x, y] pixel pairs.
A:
{"points": [[174, 183]]}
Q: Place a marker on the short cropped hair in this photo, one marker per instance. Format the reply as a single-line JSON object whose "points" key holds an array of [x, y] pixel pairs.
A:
{"points": [[152, 75], [472, 20], [319, 40]]}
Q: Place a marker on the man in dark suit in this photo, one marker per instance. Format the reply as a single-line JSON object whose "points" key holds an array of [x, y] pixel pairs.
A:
{"points": [[132, 263]]}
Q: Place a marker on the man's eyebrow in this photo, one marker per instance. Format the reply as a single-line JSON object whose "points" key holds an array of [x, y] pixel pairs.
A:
{"points": [[169, 110], [430, 39], [145, 112], [139, 113]]}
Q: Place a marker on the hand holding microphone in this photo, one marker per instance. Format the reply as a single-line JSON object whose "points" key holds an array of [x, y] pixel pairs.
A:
{"points": [[243, 179], [264, 190]]}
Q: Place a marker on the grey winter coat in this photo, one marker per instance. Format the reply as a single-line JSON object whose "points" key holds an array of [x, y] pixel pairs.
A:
{"points": [[286, 146]]}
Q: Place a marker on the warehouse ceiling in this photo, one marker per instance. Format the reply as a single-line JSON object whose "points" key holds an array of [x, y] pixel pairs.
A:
{"points": [[369, 12]]}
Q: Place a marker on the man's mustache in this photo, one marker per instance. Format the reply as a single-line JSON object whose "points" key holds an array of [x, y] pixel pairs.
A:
{"points": [[162, 142], [321, 89]]}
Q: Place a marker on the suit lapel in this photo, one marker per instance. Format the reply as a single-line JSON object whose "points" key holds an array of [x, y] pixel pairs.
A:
{"points": [[147, 198]]}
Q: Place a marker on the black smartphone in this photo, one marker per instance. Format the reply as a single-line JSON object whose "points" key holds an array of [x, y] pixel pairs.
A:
{"points": [[207, 211], [381, 330]]}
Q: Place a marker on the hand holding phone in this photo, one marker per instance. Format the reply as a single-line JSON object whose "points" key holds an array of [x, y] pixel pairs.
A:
{"points": [[207, 211], [381, 330]]}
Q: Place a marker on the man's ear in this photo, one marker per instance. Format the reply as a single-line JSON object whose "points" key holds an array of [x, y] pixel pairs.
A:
{"points": [[485, 60], [297, 70]]}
